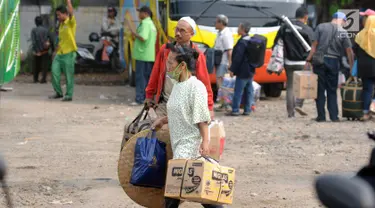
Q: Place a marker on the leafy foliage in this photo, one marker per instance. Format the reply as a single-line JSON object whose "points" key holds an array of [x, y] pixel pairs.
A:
{"points": [[56, 3]]}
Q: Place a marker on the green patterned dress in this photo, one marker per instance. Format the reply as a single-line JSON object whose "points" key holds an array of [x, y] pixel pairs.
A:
{"points": [[187, 107]]}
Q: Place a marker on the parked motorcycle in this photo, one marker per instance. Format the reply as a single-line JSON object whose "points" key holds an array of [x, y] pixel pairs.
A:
{"points": [[107, 57], [335, 191]]}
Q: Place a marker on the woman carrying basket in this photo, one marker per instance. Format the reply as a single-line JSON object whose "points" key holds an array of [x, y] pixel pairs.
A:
{"points": [[187, 108]]}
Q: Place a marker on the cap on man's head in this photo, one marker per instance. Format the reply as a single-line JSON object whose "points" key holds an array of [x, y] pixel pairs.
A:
{"points": [[191, 22], [301, 12], [368, 12], [145, 9], [339, 15]]}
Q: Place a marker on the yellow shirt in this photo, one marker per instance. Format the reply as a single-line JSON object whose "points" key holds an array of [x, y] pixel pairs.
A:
{"points": [[67, 36]]}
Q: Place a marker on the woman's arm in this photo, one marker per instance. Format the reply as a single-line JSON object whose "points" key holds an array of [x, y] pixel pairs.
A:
{"points": [[203, 129]]}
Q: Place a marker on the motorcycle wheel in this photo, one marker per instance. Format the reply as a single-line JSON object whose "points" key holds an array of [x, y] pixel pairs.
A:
{"points": [[116, 64]]}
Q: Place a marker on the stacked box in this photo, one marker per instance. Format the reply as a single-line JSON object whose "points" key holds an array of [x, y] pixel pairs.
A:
{"points": [[200, 181]]}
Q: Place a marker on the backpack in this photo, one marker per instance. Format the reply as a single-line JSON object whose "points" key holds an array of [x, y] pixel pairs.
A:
{"points": [[210, 59], [256, 50]]}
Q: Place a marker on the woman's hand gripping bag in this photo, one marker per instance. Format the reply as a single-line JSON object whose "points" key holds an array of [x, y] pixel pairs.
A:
{"points": [[150, 162]]}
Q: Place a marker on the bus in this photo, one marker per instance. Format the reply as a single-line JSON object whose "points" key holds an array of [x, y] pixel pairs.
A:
{"points": [[261, 15], [9, 40]]}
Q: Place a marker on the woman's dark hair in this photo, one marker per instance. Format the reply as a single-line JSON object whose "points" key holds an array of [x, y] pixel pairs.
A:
{"points": [[38, 21], [62, 9], [185, 54]]}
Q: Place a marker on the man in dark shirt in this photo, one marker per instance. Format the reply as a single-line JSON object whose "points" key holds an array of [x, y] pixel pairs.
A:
{"points": [[295, 56], [243, 71], [40, 44], [331, 40]]}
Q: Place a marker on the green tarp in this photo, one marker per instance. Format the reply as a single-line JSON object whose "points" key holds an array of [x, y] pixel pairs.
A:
{"points": [[9, 40]]}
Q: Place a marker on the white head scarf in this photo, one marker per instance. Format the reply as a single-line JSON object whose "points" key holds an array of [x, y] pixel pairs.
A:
{"points": [[191, 23]]}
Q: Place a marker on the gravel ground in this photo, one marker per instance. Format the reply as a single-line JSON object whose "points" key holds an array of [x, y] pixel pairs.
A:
{"points": [[66, 153]]}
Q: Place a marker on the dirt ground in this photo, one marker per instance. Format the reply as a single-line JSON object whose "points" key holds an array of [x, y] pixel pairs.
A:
{"points": [[65, 154]]}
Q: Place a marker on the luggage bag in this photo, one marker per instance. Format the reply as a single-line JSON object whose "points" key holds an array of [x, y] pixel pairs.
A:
{"points": [[352, 104], [140, 123]]}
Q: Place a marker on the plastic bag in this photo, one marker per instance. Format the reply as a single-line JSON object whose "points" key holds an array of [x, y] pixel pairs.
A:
{"points": [[342, 80], [257, 89], [276, 64], [217, 139], [150, 162], [226, 91], [355, 69]]}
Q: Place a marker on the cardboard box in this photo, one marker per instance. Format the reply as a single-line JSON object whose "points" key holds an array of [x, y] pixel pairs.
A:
{"points": [[202, 182], [217, 139], [227, 185], [175, 176], [305, 85]]}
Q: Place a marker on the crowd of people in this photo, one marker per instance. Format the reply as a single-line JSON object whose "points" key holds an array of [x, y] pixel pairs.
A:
{"points": [[175, 81], [334, 45], [64, 48], [329, 41]]}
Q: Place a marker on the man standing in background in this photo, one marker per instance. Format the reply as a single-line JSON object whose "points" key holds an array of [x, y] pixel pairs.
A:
{"points": [[295, 56], [223, 48], [143, 52], [41, 42], [65, 54], [161, 85], [243, 71], [223, 43], [331, 41]]}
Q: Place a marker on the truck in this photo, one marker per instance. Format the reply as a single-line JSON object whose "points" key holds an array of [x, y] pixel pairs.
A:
{"points": [[261, 14]]}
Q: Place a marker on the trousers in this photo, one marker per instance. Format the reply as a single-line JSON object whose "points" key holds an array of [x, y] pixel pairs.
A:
{"points": [[328, 77], [40, 65], [291, 101], [64, 63], [243, 86], [142, 75], [367, 94]]}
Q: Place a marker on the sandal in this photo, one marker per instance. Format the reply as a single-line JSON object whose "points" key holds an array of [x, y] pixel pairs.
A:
{"points": [[222, 108], [366, 117], [372, 107]]}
